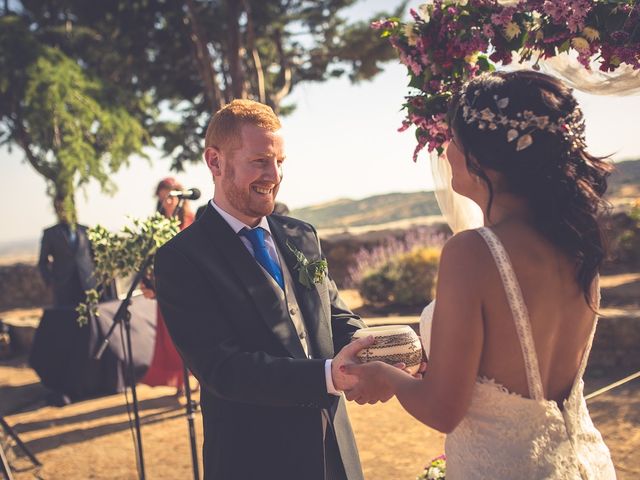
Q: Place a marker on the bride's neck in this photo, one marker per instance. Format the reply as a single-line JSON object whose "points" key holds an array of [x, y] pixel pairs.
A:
{"points": [[507, 208]]}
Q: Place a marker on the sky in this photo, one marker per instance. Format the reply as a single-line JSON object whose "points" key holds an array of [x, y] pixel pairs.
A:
{"points": [[341, 142]]}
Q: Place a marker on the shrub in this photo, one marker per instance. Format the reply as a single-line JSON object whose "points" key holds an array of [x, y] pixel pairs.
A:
{"points": [[623, 231], [368, 260], [408, 279]]}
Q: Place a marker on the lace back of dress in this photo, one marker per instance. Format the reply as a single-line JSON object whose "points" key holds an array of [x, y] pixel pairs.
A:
{"points": [[518, 310]]}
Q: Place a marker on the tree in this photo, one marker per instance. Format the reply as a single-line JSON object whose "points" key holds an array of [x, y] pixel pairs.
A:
{"points": [[71, 127], [162, 68]]}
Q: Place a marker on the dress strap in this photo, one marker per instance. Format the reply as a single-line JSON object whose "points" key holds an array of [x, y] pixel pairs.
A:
{"points": [[518, 310]]}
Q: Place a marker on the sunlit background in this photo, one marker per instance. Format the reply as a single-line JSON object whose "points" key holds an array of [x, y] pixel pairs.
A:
{"points": [[341, 142]]}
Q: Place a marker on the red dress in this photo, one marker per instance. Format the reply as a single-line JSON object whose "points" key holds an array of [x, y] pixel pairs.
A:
{"points": [[166, 365]]}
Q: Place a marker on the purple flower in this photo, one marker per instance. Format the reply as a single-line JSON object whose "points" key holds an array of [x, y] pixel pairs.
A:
{"points": [[502, 18], [487, 30], [620, 37], [449, 36]]}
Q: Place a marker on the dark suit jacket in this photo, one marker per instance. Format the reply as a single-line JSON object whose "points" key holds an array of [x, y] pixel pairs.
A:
{"points": [[70, 269], [261, 397]]}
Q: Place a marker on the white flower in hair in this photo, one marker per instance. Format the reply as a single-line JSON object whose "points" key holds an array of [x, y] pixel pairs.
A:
{"points": [[571, 126]]}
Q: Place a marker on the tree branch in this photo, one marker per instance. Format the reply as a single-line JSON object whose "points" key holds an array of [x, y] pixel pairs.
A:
{"points": [[24, 141], [235, 67], [286, 72], [203, 61], [257, 62]]}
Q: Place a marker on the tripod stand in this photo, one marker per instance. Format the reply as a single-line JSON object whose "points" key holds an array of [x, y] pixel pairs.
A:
{"points": [[191, 408], [123, 314], [4, 463]]}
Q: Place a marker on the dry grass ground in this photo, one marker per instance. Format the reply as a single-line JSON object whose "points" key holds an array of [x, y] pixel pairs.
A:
{"points": [[92, 440]]}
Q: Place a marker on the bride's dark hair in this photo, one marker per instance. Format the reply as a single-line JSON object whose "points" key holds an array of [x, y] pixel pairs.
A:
{"points": [[563, 184]]}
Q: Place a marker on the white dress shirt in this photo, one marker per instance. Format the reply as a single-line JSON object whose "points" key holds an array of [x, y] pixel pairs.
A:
{"points": [[237, 225]]}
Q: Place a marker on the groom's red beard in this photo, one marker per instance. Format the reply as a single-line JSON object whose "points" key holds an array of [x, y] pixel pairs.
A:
{"points": [[244, 199]]}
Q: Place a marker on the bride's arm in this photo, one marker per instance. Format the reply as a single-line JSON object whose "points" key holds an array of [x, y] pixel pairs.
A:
{"points": [[442, 397]]}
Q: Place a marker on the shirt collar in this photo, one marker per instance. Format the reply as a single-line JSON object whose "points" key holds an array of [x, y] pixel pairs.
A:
{"points": [[236, 224]]}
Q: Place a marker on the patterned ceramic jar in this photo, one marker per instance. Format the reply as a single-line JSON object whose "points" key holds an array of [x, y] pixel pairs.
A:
{"points": [[394, 344]]}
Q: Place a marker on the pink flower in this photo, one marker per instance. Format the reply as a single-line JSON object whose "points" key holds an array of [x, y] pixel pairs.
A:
{"points": [[502, 18], [446, 45], [405, 124]]}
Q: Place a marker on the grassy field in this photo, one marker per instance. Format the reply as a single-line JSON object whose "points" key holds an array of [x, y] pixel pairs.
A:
{"points": [[92, 440]]}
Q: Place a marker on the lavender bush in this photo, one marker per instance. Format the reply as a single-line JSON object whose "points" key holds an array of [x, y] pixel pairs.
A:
{"points": [[369, 260], [399, 272]]}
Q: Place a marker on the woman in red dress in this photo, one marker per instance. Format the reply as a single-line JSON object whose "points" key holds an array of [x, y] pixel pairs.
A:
{"points": [[166, 366]]}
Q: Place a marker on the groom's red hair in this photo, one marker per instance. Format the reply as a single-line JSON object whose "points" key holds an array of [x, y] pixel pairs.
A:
{"points": [[223, 131]]}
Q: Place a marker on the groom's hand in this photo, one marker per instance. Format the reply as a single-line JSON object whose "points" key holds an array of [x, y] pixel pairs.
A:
{"points": [[347, 356]]}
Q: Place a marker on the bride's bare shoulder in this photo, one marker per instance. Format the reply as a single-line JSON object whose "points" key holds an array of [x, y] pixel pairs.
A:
{"points": [[465, 250]]}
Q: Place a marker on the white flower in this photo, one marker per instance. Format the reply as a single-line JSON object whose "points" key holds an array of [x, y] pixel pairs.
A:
{"points": [[511, 30], [409, 31], [591, 33], [435, 473], [423, 11], [580, 44], [487, 114]]}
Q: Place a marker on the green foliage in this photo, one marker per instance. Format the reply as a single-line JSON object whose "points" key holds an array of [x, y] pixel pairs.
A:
{"points": [[68, 122], [84, 85], [309, 272], [122, 254], [623, 237], [193, 57], [629, 240], [407, 280]]}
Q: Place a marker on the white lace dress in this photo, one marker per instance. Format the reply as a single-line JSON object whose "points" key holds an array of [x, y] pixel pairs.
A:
{"points": [[507, 436]]}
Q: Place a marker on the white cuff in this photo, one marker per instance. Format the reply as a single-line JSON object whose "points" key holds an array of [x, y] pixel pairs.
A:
{"points": [[327, 375]]}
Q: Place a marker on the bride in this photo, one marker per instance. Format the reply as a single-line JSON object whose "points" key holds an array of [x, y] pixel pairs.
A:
{"points": [[509, 336]]}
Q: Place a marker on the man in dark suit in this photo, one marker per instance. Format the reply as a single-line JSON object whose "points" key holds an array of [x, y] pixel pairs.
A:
{"points": [[259, 339], [66, 263]]}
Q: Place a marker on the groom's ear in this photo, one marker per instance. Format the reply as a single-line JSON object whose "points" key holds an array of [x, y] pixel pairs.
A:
{"points": [[212, 158]]}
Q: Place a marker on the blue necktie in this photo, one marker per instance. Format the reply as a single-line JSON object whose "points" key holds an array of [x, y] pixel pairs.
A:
{"points": [[261, 254]]}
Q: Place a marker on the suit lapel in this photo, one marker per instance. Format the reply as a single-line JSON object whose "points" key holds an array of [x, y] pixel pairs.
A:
{"points": [[242, 265], [316, 313], [65, 238]]}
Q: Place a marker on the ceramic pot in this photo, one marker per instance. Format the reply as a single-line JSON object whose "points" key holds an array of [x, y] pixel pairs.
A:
{"points": [[394, 344]]}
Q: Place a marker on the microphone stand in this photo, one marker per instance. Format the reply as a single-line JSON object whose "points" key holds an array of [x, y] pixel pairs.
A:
{"points": [[123, 315], [191, 406]]}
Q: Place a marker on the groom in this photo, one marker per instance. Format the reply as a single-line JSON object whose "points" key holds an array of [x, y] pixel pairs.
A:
{"points": [[254, 335]]}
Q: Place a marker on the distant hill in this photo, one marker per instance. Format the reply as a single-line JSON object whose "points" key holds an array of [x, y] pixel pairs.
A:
{"points": [[391, 207], [625, 180], [374, 210], [624, 184], [16, 251]]}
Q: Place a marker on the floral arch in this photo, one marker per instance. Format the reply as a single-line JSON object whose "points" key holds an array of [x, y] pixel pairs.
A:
{"points": [[593, 45]]}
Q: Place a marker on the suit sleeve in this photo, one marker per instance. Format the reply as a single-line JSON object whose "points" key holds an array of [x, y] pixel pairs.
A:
{"points": [[44, 265], [204, 336], [343, 321]]}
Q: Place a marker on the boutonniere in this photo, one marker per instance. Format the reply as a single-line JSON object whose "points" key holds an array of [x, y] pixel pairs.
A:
{"points": [[308, 272]]}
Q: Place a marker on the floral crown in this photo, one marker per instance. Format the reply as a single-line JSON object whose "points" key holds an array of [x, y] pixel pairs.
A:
{"points": [[519, 129]]}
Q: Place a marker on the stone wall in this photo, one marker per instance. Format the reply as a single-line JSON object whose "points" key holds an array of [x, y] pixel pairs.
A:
{"points": [[22, 287]]}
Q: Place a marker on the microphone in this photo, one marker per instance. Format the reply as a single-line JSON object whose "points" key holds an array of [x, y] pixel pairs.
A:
{"points": [[190, 194]]}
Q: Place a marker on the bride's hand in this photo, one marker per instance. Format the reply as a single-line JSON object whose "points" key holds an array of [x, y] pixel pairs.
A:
{"points": [[372, 382], [347, 356]]}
